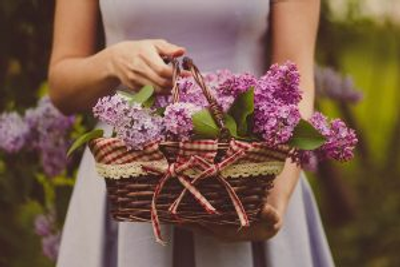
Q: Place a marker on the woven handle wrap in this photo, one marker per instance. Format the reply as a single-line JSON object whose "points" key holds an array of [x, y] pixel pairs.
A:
{"points": [[214, 107]]}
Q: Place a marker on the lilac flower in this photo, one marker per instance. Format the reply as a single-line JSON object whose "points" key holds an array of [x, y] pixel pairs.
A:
{"points": [[44, 224], [53, 154], [49, 129], [275, 122], [111, 109], [232, 86], [178, 119], [47, 118], [190, 92], [320, 122], [140, 127], [14, 132], [51, 245], [284, 82], [331, 84], [341, 140], [162, 101], [276, 96]]}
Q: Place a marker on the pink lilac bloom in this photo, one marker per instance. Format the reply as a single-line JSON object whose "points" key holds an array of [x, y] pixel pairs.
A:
{"points": [[49, 129], [14, 132], [341, 140], [178, 119], [51, 245]]}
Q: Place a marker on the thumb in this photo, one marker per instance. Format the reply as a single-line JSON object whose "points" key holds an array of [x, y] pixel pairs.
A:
{"points": [[270, 215], [167, 49]]}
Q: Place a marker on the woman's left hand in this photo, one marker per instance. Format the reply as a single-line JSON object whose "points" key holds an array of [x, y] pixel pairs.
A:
{"points": [[271, 215]]}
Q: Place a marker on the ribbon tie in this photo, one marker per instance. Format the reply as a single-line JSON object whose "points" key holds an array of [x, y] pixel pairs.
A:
{"points": [[207, 170]]}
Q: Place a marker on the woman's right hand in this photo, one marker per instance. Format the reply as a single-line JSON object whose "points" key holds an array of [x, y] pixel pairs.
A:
{"points": [[139, 63]]}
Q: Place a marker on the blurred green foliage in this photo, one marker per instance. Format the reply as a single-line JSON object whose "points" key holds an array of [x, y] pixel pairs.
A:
{"points": [[359, 201]]}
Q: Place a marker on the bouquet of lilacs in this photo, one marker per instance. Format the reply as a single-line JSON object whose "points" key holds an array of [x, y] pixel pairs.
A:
{"points": [[261, 109], [42, 129], [43, 134], [220, 137]]}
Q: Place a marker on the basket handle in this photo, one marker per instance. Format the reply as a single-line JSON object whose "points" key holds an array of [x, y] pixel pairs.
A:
{"points": [[214, 107]]}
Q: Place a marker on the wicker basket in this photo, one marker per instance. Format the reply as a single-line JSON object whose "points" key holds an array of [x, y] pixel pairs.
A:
{"points": [[221, 181]]}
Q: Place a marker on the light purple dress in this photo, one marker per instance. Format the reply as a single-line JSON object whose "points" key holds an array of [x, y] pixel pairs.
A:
{"points": [[217, 34]]}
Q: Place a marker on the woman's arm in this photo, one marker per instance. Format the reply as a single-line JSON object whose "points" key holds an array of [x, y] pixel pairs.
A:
{"points": [[78, 76], [294, 26], [294, 31]]}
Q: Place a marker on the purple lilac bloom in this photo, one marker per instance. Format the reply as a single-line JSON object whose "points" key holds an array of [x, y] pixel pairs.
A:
{"points": [[178, 119], [232, 86], [275, 122], [49, 129], [341, 140], [14, 132], [139, 127], [331, 84], [53, 154], [51, 245], [44, 224], [284, 81], [276, 96], [135, 125], [111, 109], [162, 101], [320, 122], [190, 92]]}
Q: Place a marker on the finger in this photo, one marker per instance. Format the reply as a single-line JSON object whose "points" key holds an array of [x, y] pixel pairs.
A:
{"points": [[270, 218], [154, 60], [146, 71], [135, 81], [165, 48]]}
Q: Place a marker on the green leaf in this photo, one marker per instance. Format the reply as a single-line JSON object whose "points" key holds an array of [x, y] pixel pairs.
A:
{"points": [[204, 125], [241, 109], [84, 139], [144, 94], [306, 137], [149, 102], [160, 111], [230, 124]]}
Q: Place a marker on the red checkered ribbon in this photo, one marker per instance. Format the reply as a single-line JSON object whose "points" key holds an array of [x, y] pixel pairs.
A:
{"points": [[176, 172], [214, 170], [208, 170]]}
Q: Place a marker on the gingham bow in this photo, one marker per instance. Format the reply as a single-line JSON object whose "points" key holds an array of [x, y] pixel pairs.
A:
{"points": [[208, 170], [177, 172]]}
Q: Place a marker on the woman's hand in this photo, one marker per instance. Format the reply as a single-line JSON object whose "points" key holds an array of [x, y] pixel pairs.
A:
{"points": [[271, 215], [267, 227], [138, 63]]}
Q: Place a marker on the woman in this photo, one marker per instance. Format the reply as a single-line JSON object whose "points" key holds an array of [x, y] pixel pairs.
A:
{"points": [[216, 34]]}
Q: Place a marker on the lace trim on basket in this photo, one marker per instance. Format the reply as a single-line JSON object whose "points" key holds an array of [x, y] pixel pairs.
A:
{"points": [[244, 170]]}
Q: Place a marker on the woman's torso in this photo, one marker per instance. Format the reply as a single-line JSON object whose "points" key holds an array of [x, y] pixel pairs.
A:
{"points": [[216, 33]]}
